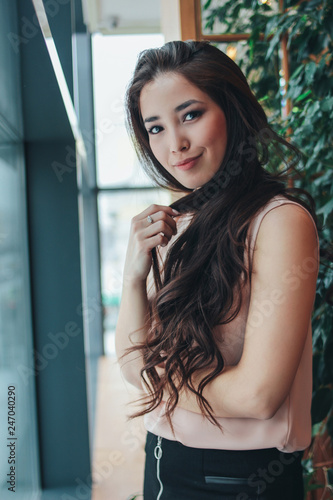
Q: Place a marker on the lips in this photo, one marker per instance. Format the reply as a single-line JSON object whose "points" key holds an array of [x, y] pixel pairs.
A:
{"points": [[188, 163]]}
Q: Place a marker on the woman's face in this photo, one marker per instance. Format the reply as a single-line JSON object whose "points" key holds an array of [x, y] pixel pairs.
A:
{"points": [[187, 130]]}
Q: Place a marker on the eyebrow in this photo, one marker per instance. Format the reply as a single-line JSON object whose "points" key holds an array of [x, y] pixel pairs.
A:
{"points": [[182, 106]]}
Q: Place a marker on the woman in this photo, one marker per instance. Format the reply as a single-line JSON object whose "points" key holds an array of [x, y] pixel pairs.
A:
{"points": [[218, 331]]}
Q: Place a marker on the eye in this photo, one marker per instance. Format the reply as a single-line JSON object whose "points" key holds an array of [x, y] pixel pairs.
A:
{"points": [[191, 115], [154, 130]]}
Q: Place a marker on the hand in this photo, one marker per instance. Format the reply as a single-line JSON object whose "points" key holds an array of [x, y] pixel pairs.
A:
{"points": [[144, 236]]}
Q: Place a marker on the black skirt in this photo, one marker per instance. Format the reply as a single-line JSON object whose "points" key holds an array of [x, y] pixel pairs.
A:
{"points": [[177, 472]]}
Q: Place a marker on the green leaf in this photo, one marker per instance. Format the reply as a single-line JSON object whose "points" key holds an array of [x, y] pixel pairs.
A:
{"points": [[320, 144], [303, 96], [296, 72], [326, 209], [321, 404], [310, 70], [307, 464], [270, 25], [313, 109], [273, 43], [310, 28], [324, 177], [327, 104], [318, 429], [207, 4]]}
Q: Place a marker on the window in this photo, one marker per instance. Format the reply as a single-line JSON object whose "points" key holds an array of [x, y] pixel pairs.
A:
{"points": [[123, 189]]}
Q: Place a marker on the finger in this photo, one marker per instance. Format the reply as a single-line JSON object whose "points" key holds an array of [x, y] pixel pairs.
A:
{"points": [[157, 208], [160, 226], [163, 216], [157, 239]]}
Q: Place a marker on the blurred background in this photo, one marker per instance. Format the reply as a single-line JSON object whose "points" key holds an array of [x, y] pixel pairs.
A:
{"points": [[69, 185]]}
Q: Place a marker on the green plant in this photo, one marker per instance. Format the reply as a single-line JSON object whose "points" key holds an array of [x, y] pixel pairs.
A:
{"points": [[308, 26], [135, 496]]}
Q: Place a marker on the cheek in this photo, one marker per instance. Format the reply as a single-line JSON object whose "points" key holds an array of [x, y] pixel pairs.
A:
{"points": [[154, 148], [158, 152], [216, 134], [216, 140]]}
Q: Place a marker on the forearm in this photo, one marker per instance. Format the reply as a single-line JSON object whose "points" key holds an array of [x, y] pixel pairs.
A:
{"points": [[228, 394], [130, 328]]}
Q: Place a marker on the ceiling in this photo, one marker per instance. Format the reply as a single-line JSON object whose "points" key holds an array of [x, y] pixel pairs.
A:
{"points": [[122, 16]]}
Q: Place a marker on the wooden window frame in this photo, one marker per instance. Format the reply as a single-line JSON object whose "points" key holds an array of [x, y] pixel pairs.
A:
{"points": [[191, 29], [191, 24]]}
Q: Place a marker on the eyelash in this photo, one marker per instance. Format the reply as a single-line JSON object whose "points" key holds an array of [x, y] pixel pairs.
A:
{"points": [[196, 114]]}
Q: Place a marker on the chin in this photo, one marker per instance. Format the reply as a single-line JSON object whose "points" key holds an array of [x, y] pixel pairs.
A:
{"points": [[189, 187], [192, 188], [198, 184]]}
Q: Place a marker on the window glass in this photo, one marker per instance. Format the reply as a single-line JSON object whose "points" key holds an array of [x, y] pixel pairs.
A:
{"points": [[114, 59], [17, 396], [116, 209]]}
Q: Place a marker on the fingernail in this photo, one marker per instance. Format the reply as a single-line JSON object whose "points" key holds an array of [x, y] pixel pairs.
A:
{"points": [[175, 211]]}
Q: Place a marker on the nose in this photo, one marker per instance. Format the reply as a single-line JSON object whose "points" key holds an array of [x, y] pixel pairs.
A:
{"points": [[178, 143]]}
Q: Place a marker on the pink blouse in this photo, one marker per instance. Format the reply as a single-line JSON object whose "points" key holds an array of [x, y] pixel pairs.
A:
{"points": [[288, 430]]}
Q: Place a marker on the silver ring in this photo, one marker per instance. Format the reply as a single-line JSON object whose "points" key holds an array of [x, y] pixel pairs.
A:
{"points": [[149, 219]]}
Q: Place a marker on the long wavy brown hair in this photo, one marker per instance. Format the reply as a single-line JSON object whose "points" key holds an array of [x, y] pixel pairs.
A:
{"points": [[200, 283]]}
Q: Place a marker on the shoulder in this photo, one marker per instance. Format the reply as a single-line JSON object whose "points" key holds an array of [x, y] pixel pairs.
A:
{"points": [[281, 215], [286, 232], [286, 219]]}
